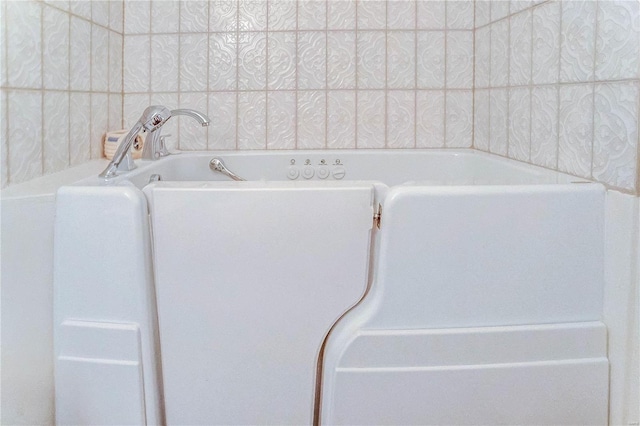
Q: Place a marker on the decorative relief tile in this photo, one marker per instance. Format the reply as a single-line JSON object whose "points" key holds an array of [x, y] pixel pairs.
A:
{"points": [[459, 116], [115, 62], [499, 9], [576, 129], [312, 14], [222, 61], [282, 60], [311, 60], [371, 60], [430, 119], [481, 134], [498, 121], [431, 64], [401, 119], [341, 56], [3, 46], [372, 14], [281, 120], [116, 16], [460, 59], [4, 146], [401, 14], [520, 50], [519, 123], [499, 55], [193, 136], [546, 43], [483, 57], [311, 120], [252, 120], [170, 128], [431, 14], [25, 135], [222, 112], [341, 119], [24, 35], [164, 63], [100, 12], [460, 14], [341, 15], [483, 12], [578, 40], [618, 40], [223, 15], [519, 5], [194, 16], [55, 126], [137, 17], [252, 15], [80, 128], [193, 62], [81, 8], [165, 16], [99, 122], [371, 119], [133, 106], [282, 14], [80, 55], [136, 63], [100, 59], [115, 111], [544, 126], [616, 134], [401, 60], [55, 49]]}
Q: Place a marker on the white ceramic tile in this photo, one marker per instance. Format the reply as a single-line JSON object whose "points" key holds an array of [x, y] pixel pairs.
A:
{"points": [[4, 146], [371, 60], [481, 133], [401, 119], [100, 12], [137, 17], [3, 46], [81, 8], [618, 40], [341, 57], [616, 134], [24, 35], [282, 14], [165, 16], [459, 119], [311, 60], [460, 59], [252, 120], [80, 55], [223, 15], [341, 119], [401, 60], [519, 5], [80, 128], [576, 129], [222, 112], [312, 14], [100, 122], [311, 120], [431, 14], [281, 120], [341, 15], [371, 119], [252, 61], [460, 14], [519, 123], [499, 53], [164, 63], [55, 126], [430, 116], [372, 14], [498, 116], [483, 12], [116, 15], [282, 60], [55, 49], [401, 14], [99, 58], [520, 50], [578, 40], [431, 63], [170, 128], [25, 135], [194, 16], [544, 126], [133, 107], [483, 57], [546, 43], [193, 62], [115, 111], [222, 61], [115, 62], [252, 15], [499, 9], [193, 136]]}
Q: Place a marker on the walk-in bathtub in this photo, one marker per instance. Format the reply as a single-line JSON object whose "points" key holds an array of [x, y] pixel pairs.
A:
{"points": [[335, 287]]}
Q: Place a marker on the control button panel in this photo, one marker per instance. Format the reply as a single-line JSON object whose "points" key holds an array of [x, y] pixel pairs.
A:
{"points": [[308, 172], [339, 172], [323, 172], [316, 168], [293, 172]]}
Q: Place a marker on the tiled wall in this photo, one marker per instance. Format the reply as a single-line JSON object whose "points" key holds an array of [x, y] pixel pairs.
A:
{"points": [[557, 84], [61, 68], [281, 74]]}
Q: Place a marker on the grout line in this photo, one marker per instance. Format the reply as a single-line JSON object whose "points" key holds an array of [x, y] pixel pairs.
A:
{"points": [[508, 90], [473, 79], [69, 94], [42, 88], [209, 129], [357, 118], [266, 77], [415, 75], [5, 10], [511, 14], [386, 74], [237, 39], [179, 120], [530, 85], [637, 165], [296, 84], [326, 75], [446, 82]]}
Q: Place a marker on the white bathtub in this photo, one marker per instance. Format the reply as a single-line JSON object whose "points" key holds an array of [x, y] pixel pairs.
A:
{"points": [[336, 287]]}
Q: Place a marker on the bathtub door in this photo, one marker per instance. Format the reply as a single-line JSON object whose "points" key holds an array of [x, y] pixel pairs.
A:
{"points": [[250, 277]]}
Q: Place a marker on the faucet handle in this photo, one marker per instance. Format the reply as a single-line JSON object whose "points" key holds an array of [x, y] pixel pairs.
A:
{"points": [[162, 147]]}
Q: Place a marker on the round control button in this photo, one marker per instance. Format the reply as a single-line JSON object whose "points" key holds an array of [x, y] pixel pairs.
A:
{"points": [[308, 172], [338, 173], [323, 172], [293, 173]]}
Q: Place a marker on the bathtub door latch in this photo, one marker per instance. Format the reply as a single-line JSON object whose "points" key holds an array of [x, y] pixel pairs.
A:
{"points": [[377, 216]]}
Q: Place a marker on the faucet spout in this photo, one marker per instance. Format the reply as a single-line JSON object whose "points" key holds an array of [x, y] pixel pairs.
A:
{"points": [[198, 116]]}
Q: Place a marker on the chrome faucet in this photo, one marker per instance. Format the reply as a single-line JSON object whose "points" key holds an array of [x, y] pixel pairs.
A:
{"points": [[154, 146]]}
